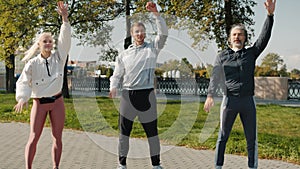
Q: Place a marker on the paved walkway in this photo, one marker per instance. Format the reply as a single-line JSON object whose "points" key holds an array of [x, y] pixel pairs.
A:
{"points": [[92, 151]]}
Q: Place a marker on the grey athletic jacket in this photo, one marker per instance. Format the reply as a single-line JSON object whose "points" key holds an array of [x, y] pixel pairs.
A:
{"points": [[234, 71], [135, 66]]}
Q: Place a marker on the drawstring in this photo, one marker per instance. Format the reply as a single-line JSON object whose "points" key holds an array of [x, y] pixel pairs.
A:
{"points": [[47, 63]]}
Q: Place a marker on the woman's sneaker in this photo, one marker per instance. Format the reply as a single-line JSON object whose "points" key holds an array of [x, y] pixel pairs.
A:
{"points": [[157, 167], [121, 167]]}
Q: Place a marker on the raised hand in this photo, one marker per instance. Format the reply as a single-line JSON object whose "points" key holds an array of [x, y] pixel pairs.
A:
{"points": [[62, 10], [270, 6], [151, 6]]}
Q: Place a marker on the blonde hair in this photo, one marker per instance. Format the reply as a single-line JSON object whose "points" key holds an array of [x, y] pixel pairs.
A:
{"points": [[33, 50]]}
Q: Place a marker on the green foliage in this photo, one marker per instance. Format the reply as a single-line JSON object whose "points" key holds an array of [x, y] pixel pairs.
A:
{"points": [[21, 20], [201, 73], [108, 71], [295, 74], [17, 25], [205, 20], [281, 148], [209, 69], [87, 18], [159, 72], [170, 65], [186, 69], [210, 20], [270, 66], [283, 71], [265, 71], [7, 113], [272, 60], [109, 55]]}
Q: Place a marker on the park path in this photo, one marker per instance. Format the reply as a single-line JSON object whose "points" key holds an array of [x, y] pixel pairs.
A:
{"points": [[84, 150]]}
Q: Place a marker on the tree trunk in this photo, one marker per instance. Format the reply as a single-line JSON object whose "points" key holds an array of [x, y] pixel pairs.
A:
{"points": [[127, 40], [65, 88], [10, 74], [228, 16]]}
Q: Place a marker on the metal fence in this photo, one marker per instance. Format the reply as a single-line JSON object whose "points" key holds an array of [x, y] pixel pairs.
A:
{"points": [[293, 89], [186, 86], [172, 86]]}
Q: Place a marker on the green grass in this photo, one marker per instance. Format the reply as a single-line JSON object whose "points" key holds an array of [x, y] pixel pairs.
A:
{"points": [[182, 123]]}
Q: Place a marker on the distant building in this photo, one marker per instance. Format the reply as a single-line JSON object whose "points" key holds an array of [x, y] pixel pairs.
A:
{"points": [[87, 68], [82, 64]]}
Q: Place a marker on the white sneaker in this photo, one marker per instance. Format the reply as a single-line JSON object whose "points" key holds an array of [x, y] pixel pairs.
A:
{"points": [[157, 167], [121, 167]]}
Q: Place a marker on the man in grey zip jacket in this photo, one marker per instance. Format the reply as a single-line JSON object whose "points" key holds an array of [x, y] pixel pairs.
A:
{"points": [[234, 72], [136, 66]]}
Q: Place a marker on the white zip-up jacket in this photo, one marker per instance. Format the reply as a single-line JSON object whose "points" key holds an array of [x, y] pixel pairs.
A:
{"points": [[136, 65], [34, 81]]}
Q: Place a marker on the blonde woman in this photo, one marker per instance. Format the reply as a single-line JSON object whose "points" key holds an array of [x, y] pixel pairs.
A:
{"points": [[42, 80]]}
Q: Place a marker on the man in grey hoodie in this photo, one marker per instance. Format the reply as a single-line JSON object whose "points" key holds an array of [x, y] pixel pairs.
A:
{"points": [[134, 70]]}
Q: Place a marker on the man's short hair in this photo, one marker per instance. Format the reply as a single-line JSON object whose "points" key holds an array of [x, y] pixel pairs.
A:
{"points": [[137, 24]]}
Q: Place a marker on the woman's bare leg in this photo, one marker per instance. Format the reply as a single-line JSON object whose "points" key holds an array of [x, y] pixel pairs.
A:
{"points": [[57, 118], [37, 119]]}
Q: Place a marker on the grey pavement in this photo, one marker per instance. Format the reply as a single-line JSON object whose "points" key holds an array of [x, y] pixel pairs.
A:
{"points": [[82, 150]]}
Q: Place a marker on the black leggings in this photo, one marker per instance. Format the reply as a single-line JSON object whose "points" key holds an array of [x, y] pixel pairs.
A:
{"points": [[140, 103]]}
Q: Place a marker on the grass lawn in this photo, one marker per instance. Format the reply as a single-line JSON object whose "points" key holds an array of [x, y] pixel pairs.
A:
{"points": [[182, 123]]}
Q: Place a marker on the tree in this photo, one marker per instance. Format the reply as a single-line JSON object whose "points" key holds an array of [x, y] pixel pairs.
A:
{"points": [[21, 20], [295, 74], [109, 54], [208, 20], [273, 61], [283, 71], [170, 65], [17, 27], [272, 65], [109, 72], [185, 68], [159, 72], [205, 20], [265, 71], [209, 68]]}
